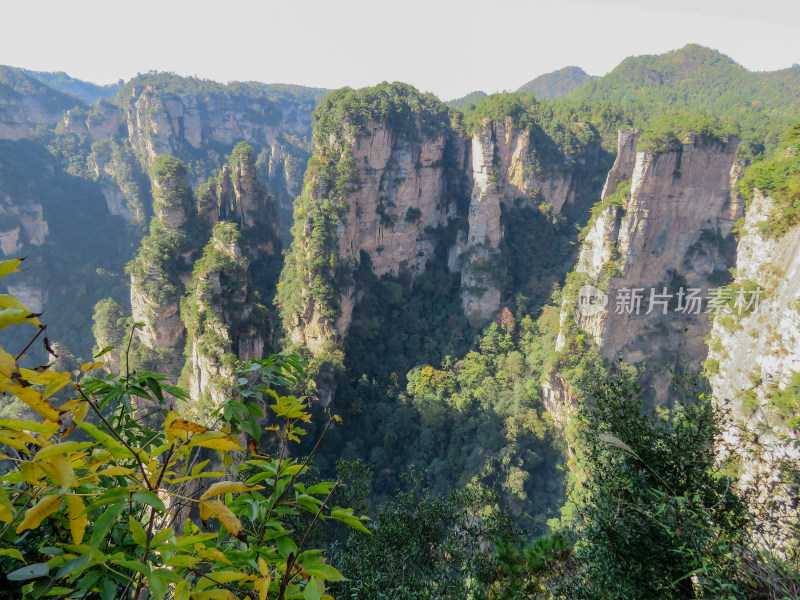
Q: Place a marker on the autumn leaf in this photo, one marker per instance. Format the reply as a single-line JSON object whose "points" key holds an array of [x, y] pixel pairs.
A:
{"points": [[225, 487], [213, 508], [9, 266], [33, 399], [39, 512], [77, 520], [216, 440], [8, 364]]}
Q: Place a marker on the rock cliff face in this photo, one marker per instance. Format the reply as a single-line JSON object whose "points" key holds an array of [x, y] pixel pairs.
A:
{"points": [[164, 262], [386, 203], [659, 243], [505, 174], [205, 302], [754, 359], [225, 325], [396, 191], [199, 121], [237, 196]]}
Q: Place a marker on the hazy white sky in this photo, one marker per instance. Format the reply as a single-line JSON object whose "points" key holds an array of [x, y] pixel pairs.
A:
{"points": [[447, 47]]}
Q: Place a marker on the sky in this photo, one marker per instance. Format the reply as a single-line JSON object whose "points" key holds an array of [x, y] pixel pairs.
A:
{"points": [[446, 47]]}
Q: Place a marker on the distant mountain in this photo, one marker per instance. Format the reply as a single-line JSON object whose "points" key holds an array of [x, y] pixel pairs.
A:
{"points": [[557, 84], [19, 83], [695, 75], [467, 102], [90, 93]]}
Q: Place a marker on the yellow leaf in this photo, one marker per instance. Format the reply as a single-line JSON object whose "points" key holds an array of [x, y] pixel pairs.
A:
{"points": [[33, 399], [90, 366], [225, 487], [228, 576], [8, 364], [185, 425], [62, 448], [79, 414], [54, 386], [263, 586], [15, 316], [262, 567], [9, 266], [216, 440], [6, 516], [213, 508], [116, 471], [44, 377], [31, 473], [19, 425], [14, 442], [214, 554], [77, 520], [38, 513], [61, 471]]}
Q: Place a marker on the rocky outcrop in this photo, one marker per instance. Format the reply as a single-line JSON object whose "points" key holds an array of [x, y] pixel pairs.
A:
{"points": [[225, 325], [114, 168], [658, 246], [396, 202], [754, 359], [506, 173], [22, 223], [164, 262], [237, 196], [200, 121]]}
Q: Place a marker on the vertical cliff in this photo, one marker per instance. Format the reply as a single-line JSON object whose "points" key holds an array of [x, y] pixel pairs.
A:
{"points": [[375, 190], [508, 172], [754, 348], [25, 103], [163, 265], [658, 244], [236, 195], [200, 121], [225, 324], [198, 299]]}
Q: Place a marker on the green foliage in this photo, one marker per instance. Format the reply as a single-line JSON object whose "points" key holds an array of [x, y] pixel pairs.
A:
{"points": [[175, 232], [409, 113], [666, 133], [786, 400], [559, 132], [313, 273], [556, 84], [467, 103], [102, 509], [657, 510], [531, 571], [424, 546], [758, 106], [475, 419], [779, 178]]}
